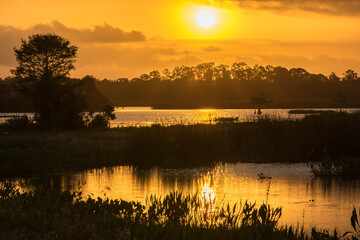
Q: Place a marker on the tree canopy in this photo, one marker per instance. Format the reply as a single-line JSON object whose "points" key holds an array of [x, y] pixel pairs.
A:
{"points": [[44, 64]]}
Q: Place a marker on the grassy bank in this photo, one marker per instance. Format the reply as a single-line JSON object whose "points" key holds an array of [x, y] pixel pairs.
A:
{"points": [[331, 135], [54, 215]]}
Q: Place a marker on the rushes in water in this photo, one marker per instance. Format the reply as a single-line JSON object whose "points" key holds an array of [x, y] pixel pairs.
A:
{"points": [[50, 215], [356, 226], [346, 167]]}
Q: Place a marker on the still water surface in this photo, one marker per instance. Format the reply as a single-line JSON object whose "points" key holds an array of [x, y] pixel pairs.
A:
{"points": [[145, 116], [305, 200]]}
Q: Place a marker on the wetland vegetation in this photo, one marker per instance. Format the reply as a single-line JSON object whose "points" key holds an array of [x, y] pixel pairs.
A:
{"points": [[326, 137], [50, 215], [61, 138]]}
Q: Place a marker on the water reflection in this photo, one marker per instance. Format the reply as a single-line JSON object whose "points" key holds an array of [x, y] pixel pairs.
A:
{"points": [[208, 193], [305, 200], [146, 116]]}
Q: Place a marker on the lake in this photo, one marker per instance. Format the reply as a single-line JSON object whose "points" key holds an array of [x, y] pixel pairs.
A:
{"points": [[308, 201], [138, 116], [146, 116]]}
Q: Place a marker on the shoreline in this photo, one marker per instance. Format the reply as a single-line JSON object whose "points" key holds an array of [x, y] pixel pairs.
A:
{"points": [[333, 136]]}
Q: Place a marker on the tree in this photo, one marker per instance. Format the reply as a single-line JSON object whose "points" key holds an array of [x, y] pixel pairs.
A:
{"points": [[259, 101], [350, 75], [340, 98], [44, 64], [102, 120], [333, 77]]}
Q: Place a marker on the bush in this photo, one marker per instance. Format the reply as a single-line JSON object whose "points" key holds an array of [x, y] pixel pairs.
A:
{"points": [[20, 123], [346, 167], [102, 120]]}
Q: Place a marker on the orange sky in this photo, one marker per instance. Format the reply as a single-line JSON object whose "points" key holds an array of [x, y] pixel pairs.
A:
{"points": [[119, 38]]}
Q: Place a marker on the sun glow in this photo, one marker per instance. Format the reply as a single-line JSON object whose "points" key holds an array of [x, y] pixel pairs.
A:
{"points": [[205, 18]]}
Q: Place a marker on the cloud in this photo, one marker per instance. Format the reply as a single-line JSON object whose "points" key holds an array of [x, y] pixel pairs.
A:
{"points": [[128, 61], [333, 7], [211, 48], [104, 51], [11, 36], [99, 33], [104, 59]]}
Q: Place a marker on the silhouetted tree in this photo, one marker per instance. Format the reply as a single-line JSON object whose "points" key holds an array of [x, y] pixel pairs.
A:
{"points": [[281, 75], [260, 100], [350, 75], [333, 77], [145, 77], [44, 63], [155, 76], [102, 120], [340, 98]]}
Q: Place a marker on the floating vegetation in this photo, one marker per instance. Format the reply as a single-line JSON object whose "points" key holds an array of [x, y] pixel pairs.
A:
{"points": [[226, 120], [309, 111]]}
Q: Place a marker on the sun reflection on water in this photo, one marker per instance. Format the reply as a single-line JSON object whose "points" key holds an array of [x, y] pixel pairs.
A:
{"points": [[208, 197], [207, 190], [291, 187]]}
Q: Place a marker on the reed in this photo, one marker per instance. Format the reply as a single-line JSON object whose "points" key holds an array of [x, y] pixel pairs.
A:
{"points": [[50, 215], [333, 135], [346, 167]]}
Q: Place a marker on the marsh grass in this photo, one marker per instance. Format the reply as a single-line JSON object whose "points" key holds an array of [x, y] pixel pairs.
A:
{"points": [[332, 135], [51, 215], [309, 111], [355, 234], [346, 167]]}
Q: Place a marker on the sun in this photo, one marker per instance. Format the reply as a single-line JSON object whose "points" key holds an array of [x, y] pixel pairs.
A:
{"points": [[205, 18]]}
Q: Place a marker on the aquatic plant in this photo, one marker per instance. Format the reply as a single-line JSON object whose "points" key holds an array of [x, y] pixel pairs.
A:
{"points": [[49, 215], [331, 136], [345, 167], [309, 111], [356, 226], [223, 120]]}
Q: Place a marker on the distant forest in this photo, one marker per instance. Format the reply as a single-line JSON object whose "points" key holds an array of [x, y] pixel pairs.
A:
{"points": [[12, 101], [213, 86]]}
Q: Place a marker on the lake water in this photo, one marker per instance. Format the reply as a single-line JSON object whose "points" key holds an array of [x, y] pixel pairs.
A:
{"points": [[146, 116], [308, 201]]}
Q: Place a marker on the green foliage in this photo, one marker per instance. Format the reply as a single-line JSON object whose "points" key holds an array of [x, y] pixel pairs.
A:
{"points": [[44, 63]]}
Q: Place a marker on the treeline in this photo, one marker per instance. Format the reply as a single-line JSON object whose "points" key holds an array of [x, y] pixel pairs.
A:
{"points": [[12, 100], [210, 85]]}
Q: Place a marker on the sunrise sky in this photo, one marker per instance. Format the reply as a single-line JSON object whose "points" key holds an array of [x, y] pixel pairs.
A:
{"points": [[118, 38]]}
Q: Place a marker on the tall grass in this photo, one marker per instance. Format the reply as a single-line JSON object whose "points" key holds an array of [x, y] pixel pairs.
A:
{"points": [[346, 167], [331, 135], [51, 215]]}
